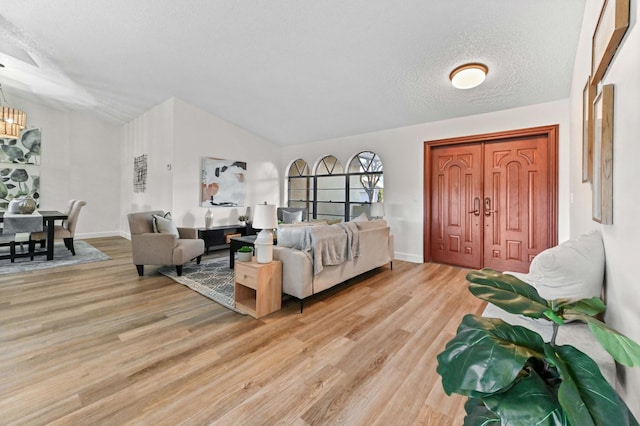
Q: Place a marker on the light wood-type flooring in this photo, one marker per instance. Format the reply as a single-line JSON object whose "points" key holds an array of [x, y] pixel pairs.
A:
{"points": [[96, 344]]}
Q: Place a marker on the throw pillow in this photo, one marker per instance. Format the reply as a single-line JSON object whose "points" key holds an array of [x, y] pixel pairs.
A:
{"points": [[164, 224], [573, 269], [362, 218], [291, 217]]}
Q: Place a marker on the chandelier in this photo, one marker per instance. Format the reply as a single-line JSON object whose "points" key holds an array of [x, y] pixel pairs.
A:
{"points": [[12, 120]]}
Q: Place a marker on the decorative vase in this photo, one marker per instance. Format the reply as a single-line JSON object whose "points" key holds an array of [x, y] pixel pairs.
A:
{"points": [[22, 205], [208, 219]]}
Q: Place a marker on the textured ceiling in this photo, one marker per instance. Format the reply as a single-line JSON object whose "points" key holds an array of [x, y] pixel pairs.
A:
{"points": [[291, 71]]}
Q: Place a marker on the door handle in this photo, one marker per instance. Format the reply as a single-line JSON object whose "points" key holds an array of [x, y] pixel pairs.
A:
{"points": [[487, 207], [476, 206]]}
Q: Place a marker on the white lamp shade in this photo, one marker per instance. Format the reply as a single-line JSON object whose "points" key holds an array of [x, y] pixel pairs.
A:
{"points": [[377, 210], [265, 216]]}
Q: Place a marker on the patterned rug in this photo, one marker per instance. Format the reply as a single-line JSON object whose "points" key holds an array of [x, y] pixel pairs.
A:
{"points": [[85, 253], [212, 278]]}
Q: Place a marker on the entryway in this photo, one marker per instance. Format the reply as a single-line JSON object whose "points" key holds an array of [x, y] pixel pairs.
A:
{"points": [[491, 200]]}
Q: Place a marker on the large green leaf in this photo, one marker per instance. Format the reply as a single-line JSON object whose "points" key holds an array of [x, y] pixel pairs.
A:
{"points": [[593, 306], [620, 347], [486, 356], [507, 292], [584, 394], [478, 414], [531, 401]]}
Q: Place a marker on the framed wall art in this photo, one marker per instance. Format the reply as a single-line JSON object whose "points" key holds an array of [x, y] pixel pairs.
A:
{"points": [[223, 182], [611, 27], [23, 150], [17, 182], [588, 95], [602, 183]]}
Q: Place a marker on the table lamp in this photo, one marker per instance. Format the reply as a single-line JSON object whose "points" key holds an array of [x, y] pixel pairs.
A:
{"points": [[265, 218], [377, 210]]}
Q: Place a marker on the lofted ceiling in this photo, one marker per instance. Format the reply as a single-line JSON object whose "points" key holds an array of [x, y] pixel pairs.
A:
{"points": [[291, 71]]}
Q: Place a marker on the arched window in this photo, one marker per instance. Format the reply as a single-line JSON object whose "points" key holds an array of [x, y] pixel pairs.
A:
{"points": [[300, 184], [330, 194], [366, 182]]}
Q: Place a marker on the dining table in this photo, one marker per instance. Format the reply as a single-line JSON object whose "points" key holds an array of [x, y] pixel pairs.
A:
{"points": [[49, 218]]}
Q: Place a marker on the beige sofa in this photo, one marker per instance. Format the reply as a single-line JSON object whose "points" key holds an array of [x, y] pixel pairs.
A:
{"points": [[300, 276]]}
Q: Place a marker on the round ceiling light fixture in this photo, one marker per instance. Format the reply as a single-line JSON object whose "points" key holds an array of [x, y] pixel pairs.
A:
{"points": [[468, 76]]}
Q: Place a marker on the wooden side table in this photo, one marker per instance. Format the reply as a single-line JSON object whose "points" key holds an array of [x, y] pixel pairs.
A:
{"points": [[258, 287]]}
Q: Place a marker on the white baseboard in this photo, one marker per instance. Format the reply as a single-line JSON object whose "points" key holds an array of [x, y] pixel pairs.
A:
{"points": [[408, 257]]}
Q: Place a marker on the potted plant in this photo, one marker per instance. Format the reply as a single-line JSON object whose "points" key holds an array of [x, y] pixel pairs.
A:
{"points": [[244, 253], [243, 218], [512, 376]]}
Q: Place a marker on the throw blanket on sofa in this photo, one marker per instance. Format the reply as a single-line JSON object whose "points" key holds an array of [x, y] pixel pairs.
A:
{"points": [[353, 239], [332, 245]]}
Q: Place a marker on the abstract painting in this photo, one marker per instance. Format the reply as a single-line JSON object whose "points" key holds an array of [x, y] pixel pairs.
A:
{"points": [[223, 182], [140, 174], [24, 150]]}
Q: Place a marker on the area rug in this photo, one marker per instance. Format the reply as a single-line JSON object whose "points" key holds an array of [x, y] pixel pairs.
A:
{"points": [[85, 253], [212, 278]]}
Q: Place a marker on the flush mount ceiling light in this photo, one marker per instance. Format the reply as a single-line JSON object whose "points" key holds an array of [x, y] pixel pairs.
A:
{"points": [[468, 76], [12, 120]]}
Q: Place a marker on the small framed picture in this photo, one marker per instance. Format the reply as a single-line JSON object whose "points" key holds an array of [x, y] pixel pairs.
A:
{"points": [[602, 183], [588, 95], [612, 25]]}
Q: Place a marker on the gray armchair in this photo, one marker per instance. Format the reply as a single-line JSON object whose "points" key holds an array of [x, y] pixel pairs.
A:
{"points": [[153, 248]]}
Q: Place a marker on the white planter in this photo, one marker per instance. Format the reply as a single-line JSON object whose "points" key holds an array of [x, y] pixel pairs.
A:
{"points": [[244, 256]]}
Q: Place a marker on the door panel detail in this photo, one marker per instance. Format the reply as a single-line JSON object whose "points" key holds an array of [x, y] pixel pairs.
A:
{"points": [[456, 179]]}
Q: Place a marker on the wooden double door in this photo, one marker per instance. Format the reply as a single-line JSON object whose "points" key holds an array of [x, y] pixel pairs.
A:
{"points": [[492, 202]]}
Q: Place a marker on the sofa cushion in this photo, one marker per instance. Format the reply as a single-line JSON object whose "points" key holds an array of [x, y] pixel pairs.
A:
{"points": [[164, 224], [573, 269], [371, 224], [295, 237]]}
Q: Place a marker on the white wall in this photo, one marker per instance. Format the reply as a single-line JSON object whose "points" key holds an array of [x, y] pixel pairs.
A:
{"points": [[80, 160], [402, 154], [180, 134], [620, 239]]}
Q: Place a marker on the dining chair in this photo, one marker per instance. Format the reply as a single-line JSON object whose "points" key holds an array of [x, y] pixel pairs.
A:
{"points": [[9, 240], [67, 230]]}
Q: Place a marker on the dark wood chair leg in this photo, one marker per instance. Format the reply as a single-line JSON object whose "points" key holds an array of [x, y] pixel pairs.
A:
{"points": [[43, 243], [32, 248], [12, 251], [140, 270], [179, 270], [198, 259], [68, 242]]}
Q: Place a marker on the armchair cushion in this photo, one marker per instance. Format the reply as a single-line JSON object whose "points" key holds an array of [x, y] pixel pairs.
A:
{"points": [[164, 224]]}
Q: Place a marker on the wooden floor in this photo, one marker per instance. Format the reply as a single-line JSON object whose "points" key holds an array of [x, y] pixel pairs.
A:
{"points": [[95, 344]]}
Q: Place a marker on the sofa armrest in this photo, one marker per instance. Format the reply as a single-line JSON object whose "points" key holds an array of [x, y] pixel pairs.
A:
{"points": [[297, 271], [392, 247], [188, 233]]}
